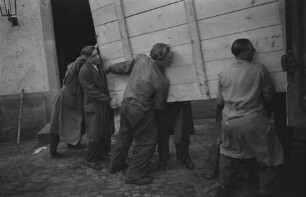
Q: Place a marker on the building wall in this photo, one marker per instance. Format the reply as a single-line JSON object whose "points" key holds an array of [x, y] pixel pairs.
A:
{"points": [[27, 61], [22, 51]]}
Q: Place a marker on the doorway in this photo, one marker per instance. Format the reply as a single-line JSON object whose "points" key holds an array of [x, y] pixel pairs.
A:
{"points": [[73, 28]]}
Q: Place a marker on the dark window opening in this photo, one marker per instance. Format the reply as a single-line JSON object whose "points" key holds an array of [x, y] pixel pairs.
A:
{"points": [[73, 28]]}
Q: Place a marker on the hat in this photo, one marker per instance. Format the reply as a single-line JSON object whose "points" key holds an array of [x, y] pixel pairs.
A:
{"points": [[87, 50]]}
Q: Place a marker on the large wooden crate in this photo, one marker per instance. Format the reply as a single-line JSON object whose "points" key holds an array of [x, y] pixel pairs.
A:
{"points": [[200, 33]]}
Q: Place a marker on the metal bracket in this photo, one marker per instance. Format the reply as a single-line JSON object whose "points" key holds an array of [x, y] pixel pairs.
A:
{"points": [[289, 63]]}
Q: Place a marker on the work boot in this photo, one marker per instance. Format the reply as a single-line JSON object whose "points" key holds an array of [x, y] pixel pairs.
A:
{"points": [[222, 191], [211, 174], [123, 167], [162, 165], [54, 141], [77, 146], [188, 163], [93, 165], [141, 181]]}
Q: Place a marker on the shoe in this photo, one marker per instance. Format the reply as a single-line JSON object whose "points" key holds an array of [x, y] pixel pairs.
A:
{"points": [[56, 155], [141, 181], [162, 165], [188, 164], [211, 175], [121, 168], [78, 146], [93, 165], [103, 158], [222, 192]]}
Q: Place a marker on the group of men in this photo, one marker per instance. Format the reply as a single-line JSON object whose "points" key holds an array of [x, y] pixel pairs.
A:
{"points": [[146, 119]]}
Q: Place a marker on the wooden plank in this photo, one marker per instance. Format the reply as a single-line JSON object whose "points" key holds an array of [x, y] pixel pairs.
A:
{"points": [[211, 8], [182, 55], [107, 33], [104, 15], [244, 20], [184, 92], [279, 79], [196, 48], [111, 50], [132, 7], [157, 19], [95, 4], [127, 51], [264, 40], [271, 60], [181, 75], [181, 92], [173, 36]]}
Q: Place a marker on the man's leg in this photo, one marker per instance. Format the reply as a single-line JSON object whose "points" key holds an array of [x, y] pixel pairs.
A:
{"points": [[267, 180], [123, 143], [182, 153], [145, 137], [163, 123], [54, 141], [226, 170]]}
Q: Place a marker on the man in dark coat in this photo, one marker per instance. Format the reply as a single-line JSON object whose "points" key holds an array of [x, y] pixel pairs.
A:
{"points": [[175, 119], [147, 89], [98, 107], [67, 123]]}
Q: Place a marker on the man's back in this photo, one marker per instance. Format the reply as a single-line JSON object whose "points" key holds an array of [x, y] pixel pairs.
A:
{"points": [[145, 81], [242, 88]]}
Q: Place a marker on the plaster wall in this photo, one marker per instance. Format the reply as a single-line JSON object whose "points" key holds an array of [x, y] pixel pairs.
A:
{"points": [[23, 60]]}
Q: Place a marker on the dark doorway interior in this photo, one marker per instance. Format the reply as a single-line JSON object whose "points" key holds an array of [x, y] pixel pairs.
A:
{"points": [[73, 28]]}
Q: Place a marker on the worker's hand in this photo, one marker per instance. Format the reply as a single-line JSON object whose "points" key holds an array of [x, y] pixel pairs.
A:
{"points": [[114, 104]]}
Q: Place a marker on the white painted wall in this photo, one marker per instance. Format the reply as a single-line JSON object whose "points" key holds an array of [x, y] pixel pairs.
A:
{"points": [[23, 62]]}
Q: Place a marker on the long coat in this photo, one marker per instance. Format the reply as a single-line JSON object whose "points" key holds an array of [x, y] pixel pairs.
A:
{"points": [[99, 116], [67, 119]]}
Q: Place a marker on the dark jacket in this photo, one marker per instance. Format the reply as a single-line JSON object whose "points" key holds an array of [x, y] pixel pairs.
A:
{"points": [[98, 114]]}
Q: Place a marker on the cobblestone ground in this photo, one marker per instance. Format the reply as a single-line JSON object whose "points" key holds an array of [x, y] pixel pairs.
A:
{"points": [[25, 174]]}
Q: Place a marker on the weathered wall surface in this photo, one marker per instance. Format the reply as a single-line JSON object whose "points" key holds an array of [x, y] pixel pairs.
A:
{"points": [[23, 59], [27, 61]]}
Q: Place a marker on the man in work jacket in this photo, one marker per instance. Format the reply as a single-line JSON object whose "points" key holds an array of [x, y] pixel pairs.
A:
{"points": [[245, 94], [147, 89], [98, 107], [67, 123]]}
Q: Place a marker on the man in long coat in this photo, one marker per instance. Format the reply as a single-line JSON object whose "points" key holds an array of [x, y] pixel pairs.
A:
{"points": [[67, 123], [98, 106], [147, 89], [245, 94], [175, 119]]}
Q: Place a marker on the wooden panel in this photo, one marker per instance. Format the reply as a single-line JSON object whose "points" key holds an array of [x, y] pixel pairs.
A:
{"points": [[126, 46], [180, 75], [107, 33], [174, 36], [196, 48], [184, 92], [210, 8], [112, 61], [136, 6], [95, 4], [271, 60], [111, 50], [104, 15], [253, 18], [279, 79], [264, 40], [158, 19], [182, 55]]}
